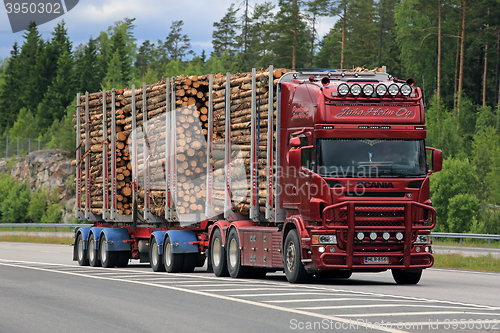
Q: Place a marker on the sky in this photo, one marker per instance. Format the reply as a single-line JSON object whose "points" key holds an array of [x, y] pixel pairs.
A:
{"points": [[153, 21]]}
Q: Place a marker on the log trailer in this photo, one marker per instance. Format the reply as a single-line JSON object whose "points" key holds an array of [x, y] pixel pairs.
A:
{"points": [[319, 173]]}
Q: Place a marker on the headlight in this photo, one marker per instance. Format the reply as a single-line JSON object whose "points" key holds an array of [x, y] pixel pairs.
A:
{"points": [[373, 236], [324, 239], [399, 236], [393, 89], [355, 89], [343, 89], [368, 90], [360, 236], [423, 239], [386, 236], [381, 90], [405, 90]]}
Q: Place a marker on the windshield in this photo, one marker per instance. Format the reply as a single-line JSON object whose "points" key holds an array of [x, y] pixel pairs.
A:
{"points": [[341, 158]]}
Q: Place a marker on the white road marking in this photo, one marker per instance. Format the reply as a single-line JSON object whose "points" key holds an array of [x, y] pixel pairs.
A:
{"points": [[336, 300], [246, 289], [278, 294], [393, 314], [202, 293], [383, 305]]}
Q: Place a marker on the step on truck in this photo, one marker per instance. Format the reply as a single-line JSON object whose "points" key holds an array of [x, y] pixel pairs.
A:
{"points": [[313, 173]]}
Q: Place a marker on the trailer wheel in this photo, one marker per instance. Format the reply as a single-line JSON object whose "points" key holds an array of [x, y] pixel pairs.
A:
{"points": [[218, 255], [108, 258], [173, 261], [155, 259], [190, 261], [402, 276], [294, 269], [123, 258], [93, 254], [81, 254], [236, 270]]}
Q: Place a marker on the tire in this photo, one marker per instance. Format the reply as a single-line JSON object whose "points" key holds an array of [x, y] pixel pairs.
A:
{"points": [[402, 276], [123, 258], [336, 274], [236, 270], [218, 255], [173, 261], [294, 269], [155, 259], [94, 260], [108, 258], [81, 254], [190, 261]]}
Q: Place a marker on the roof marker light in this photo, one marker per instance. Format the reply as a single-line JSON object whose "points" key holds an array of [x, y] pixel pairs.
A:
{"points": [[356, 89], [368, 90], [343, 89], [381, 90], [405, 90], [393, 89]]}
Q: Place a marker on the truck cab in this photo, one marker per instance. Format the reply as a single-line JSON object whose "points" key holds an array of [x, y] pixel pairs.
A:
{"points": [[355, 174]]}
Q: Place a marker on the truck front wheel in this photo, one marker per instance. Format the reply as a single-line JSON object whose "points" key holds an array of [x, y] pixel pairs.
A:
{"points": [[294, 269], [218, 255], [402, 276]]}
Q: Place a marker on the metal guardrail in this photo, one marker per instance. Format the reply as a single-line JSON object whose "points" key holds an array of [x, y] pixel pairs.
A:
{"points": [[462, 236], [43, 225], [73, 226]]}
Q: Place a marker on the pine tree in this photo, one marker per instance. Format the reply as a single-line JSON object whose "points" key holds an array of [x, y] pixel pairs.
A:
{"points": [[292, 35], [32, 47], [86, 69], [59, 94], [144, 56], [177, 44], [224, 35], [10, 101]]}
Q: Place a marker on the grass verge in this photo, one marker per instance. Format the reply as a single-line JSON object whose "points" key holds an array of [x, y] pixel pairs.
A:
{"points": [[457, 261], [36, 239], [466, 242], [59, 229]]}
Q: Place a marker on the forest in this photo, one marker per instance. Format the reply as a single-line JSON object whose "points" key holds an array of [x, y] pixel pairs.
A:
{"points": [[450, 48]]}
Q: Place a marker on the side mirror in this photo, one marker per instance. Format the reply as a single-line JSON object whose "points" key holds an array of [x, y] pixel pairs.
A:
{"points": [[295, 159], [437, 160], [295, 142]]}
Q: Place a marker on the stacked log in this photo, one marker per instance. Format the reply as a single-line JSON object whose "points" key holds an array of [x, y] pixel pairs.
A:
{"points": [[191, 130], [241, 117]]}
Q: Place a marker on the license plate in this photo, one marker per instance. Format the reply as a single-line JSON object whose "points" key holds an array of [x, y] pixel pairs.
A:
{"points": [[376, 260]]}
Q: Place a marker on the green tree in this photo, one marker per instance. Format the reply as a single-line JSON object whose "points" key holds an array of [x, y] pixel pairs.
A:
{"points": [[37, 205], [59, 94], [27, 73], [25, 125], [225, 32], [15, 206], [87, 73], [10, 101], [177, 44], [463, 211], [292, 35], [457, 177], [485, 145]]}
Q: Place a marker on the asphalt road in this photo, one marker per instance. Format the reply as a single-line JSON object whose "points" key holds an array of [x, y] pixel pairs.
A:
{"points": [[43, 290]]}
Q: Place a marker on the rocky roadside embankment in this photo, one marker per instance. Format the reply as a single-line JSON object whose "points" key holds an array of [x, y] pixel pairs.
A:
{"points": [[46, 169]]}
